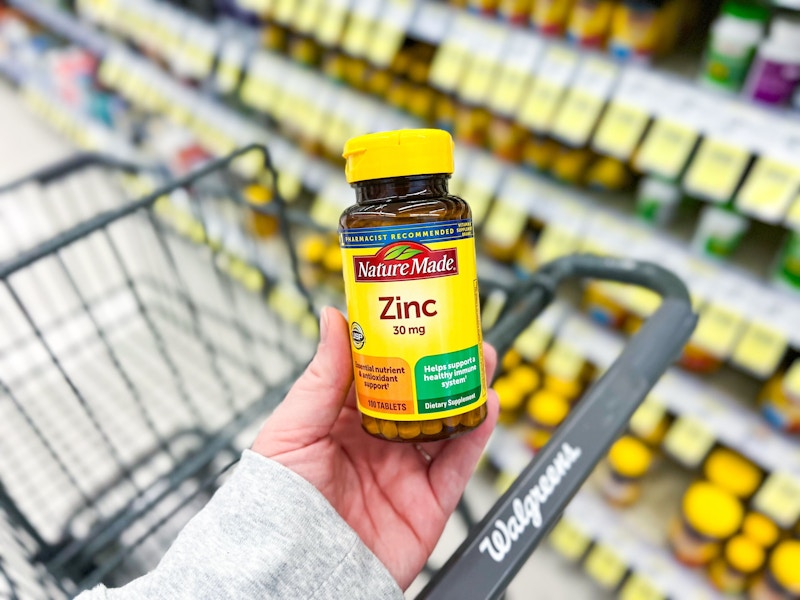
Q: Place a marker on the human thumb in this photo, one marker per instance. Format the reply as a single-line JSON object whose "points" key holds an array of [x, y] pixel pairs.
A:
{"points": [[314, 402]]}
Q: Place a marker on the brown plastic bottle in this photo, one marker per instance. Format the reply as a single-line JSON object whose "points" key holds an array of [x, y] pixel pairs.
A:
{"points": [[411, 285]]}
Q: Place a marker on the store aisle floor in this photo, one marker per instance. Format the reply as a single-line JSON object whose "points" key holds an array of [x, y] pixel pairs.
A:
{"points": [[27, 144]]}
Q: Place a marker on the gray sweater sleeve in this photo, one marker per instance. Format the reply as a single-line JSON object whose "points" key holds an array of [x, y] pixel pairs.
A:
{"points": [[266, 533]]}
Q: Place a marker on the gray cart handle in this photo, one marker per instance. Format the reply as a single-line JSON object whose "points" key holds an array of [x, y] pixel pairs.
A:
{"points": [[499, 545]]}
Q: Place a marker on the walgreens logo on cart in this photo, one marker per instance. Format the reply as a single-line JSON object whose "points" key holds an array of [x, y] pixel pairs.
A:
{"points": [[528, 509], [405, 261]]}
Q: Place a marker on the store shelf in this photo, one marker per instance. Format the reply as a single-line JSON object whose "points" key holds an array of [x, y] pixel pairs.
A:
{"points": [[590, 526], [63, 24], [690, 396], [606, 230], [653, 564]]}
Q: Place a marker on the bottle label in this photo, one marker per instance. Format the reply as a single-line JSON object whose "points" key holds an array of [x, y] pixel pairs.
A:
{"points": [[412, 303]]}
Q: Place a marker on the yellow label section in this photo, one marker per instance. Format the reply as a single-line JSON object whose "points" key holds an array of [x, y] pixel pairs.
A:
{"points": [[415, 332]]}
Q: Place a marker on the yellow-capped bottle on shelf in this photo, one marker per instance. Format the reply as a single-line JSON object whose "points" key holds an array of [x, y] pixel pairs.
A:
{"points": [[511, 399], [546, 411], [733, 571], [411, 284], [627, 463], [260, 225], [733, 473], [761, 529], [709, 516], [780, 399], [781, 578]]}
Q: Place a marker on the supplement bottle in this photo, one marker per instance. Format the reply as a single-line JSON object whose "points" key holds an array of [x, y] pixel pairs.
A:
{"points": [[735, 35], [511, 399], [733, 473], [637, 27], [589, 23], [546, 411], [781, 580], [627, 463], [780, 399], [761, 529], [741, 559], [549, 17], [776, 69], [709, 516], [412, 291]]}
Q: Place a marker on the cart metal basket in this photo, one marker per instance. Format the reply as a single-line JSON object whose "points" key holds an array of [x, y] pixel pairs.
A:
{"points": [[130, 361], [143, 340]]}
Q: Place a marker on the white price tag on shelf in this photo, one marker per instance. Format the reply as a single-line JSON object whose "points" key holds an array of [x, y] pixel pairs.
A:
{"points": [[718, 330], [647, 418], [331, 22], [769, 189], [200, 43], [533, 341], [305, 19], [554, 74], [554, 242], [637, 587], [483, 64], [387, 39], [620, 130], [362, 23], [716, 170], [451, 58], [605, 566], [481, 184], [760, 349], [259, 89], [569, 540], [505, 223], [666, 148], [779, 499], [517, 64], [689, 441], [283, 11], [585, 100]]}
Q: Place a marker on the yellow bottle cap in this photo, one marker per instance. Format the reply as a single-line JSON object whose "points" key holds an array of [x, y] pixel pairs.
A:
{"points": [[712, 511], [743, 554], [785, 565], [733, 472], [547, 408], [333, 259], [761, 529], [526, 378], [509, 395], [312, 248], [258, 194], [511, 359], [569, 388], [398, 153], [630, 457]]}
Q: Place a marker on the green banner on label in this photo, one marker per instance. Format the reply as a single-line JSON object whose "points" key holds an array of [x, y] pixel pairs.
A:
{"points": [[448, 381]]}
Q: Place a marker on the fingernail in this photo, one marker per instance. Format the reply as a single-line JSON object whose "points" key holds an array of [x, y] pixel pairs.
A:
{"points": [[323, 325]]}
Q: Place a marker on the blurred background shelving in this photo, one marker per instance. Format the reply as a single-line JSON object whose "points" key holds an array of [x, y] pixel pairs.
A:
{"points": [[572, 134]]}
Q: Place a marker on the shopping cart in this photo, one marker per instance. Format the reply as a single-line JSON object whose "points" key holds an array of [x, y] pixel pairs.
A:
{"points": [[131, 392], [138, 343]]}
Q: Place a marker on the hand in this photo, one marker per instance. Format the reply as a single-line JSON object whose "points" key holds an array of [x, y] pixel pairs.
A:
{"points": [[395, 496]]}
